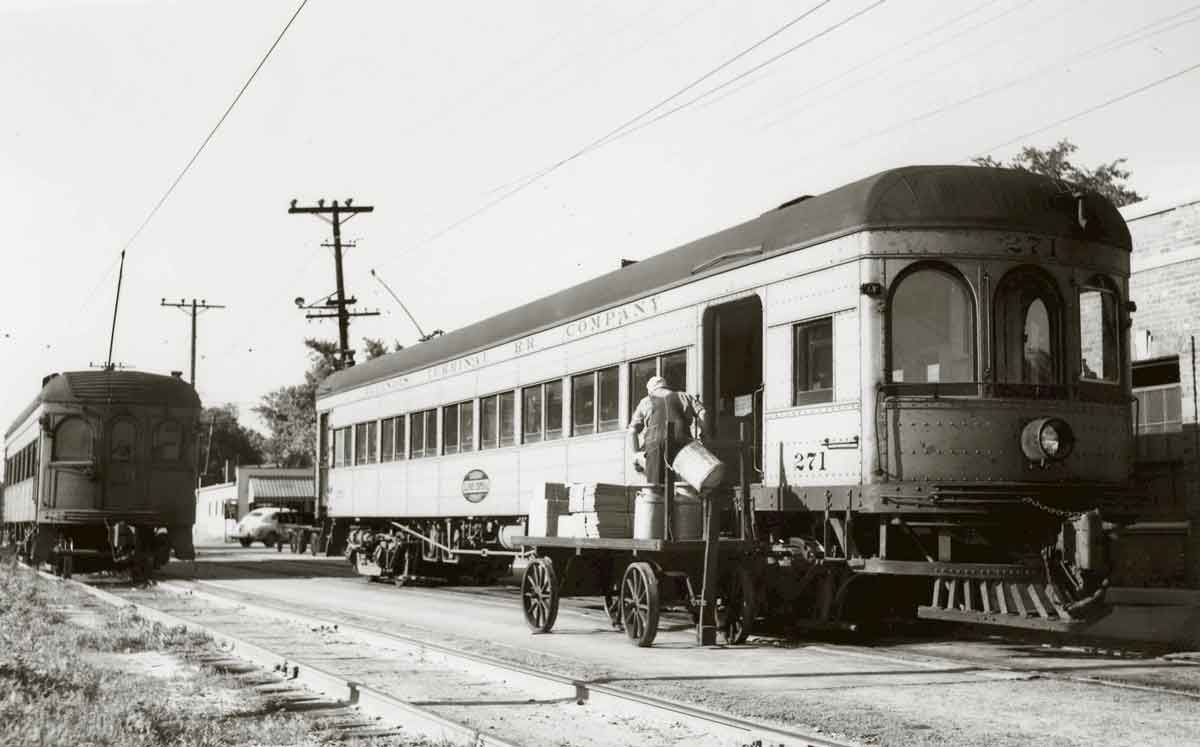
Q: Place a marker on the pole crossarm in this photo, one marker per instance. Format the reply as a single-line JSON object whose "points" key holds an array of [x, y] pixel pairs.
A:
{"points": [[336, 214], [192, 308]]}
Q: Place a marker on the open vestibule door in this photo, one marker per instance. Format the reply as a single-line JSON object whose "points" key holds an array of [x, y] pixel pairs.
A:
{"points": [[733, 378]]}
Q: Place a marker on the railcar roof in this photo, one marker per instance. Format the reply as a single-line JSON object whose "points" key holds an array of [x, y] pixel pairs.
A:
{"points": [[112, 387], [912, 197]]}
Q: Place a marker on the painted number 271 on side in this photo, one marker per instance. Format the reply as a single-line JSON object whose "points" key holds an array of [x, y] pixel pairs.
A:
{"points": [[810, 461]]}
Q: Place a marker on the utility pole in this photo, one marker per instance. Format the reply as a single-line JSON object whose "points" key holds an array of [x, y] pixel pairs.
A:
{"points": [[339, 214], [195, 308]]}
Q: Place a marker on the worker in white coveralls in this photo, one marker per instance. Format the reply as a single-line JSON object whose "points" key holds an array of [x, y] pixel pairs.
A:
{"points": [[662, 411]]}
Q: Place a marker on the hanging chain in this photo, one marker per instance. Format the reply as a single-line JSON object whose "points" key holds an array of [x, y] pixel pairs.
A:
{"points": [[1062, 514]]}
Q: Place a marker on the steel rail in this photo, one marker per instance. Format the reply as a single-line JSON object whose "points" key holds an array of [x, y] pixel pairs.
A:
{"points": [[368, 700], [584, 691]]}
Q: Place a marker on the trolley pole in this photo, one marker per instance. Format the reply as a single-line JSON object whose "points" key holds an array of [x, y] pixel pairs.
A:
{"points": [[193, 308], [338, 213]]}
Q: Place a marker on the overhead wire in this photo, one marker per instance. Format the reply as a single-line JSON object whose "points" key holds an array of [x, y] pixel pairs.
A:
{"points": [[1104, 104], [534, 177], [208, 138], [1111, 45]]}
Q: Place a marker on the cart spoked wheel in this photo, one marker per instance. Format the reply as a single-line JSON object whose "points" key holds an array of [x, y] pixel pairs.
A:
{"points": [[539, 595], [639, 603], [737, 609]]}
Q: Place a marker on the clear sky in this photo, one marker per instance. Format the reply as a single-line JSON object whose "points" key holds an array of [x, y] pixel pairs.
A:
{"points": [[425, 109]]}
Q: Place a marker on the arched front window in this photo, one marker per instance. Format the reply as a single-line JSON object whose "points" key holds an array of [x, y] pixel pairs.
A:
{"points": [[1099, 332], [122, 444], [73, 440], [932, 328], [1028, 320]]}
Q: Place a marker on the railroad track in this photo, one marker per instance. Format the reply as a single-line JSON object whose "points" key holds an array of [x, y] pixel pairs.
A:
{"points": [[444, 692]]}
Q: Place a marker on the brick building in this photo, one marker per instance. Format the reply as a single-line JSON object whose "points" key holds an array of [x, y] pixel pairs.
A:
{"points": [[1165, 285]]}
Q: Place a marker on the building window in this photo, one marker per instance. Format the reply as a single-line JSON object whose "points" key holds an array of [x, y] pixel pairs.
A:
{"points": [[168, 441], [812, 362], [670, 366], [496, 420], [932, 329], [458, 428], [1098, 334], [360, 443], [73, 440], [542, 412], [1156, 388], [423, 434], [594, 407], [387, 439], [1027, 323]]}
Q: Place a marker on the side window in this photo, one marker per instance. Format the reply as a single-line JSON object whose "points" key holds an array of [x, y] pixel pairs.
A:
{"points": [[372, 442], [168, 441], [122, 442], [400, 439], [496, 420], [1099, 334], [73, 440], [670, 366], [458, 428], [594, 406], [339, 447], [360, 443], [1027, 323], [812, 362], [387, 439], [542, 412], [932, 328], [423, 434]]}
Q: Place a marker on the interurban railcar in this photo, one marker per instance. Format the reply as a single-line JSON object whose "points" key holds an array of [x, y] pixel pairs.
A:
{"points": [[930, 367], [100, 473]]}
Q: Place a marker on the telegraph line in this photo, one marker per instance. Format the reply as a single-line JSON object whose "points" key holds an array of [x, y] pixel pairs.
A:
{"points": [[196, 307]]}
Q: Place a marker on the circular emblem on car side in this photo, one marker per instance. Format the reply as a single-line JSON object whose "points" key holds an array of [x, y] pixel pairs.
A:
{"points": [[475, 485]]}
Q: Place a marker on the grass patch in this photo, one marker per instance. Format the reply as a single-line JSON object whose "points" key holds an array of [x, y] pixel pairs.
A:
{"points": [[63, 683]]}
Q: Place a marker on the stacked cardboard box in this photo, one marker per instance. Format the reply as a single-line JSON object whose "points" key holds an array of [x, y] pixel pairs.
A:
{"points": [[596, 510], [548, 503]]}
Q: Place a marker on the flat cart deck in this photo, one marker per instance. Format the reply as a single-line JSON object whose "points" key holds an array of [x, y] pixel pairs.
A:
{"points": [[637, 577]]}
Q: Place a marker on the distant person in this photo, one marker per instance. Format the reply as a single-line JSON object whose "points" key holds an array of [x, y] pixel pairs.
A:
{"points": [[662, 411]]}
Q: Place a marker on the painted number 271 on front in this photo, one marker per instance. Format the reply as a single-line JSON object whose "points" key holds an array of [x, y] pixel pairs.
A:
{"points": [[810, 461]]}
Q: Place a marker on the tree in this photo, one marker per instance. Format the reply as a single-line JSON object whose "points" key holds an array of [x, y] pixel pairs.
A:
{"points": [[220, 439], [290, 412], [376, 347], [1107, 178]]}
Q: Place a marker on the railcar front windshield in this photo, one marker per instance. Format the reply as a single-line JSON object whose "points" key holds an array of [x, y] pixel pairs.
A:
{"points": [[932, 328], [1098, 335], [1027, 321]]}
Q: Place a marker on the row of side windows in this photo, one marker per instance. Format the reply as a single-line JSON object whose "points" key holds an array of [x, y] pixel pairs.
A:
{"points": [[21, 465], [490, 422]]}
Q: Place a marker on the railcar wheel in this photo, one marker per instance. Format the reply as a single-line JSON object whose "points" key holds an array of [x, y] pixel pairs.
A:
{"points": [[539, 595], [736, 612], [244, 542], [639, 603]]}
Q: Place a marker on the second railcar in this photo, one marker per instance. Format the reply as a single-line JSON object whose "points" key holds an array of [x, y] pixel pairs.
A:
{"points": [[931, 366], [100, 473]]}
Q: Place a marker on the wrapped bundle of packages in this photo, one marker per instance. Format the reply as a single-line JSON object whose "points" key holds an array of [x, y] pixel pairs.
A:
{"points": [[600, 510], [545, 507]]}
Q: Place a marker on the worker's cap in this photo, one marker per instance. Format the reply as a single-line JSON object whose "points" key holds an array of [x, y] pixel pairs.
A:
{"points": [[656, 382]]}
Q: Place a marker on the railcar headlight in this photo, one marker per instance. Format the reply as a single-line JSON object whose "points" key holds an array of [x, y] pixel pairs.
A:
{"points": [[1047, 439]]}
